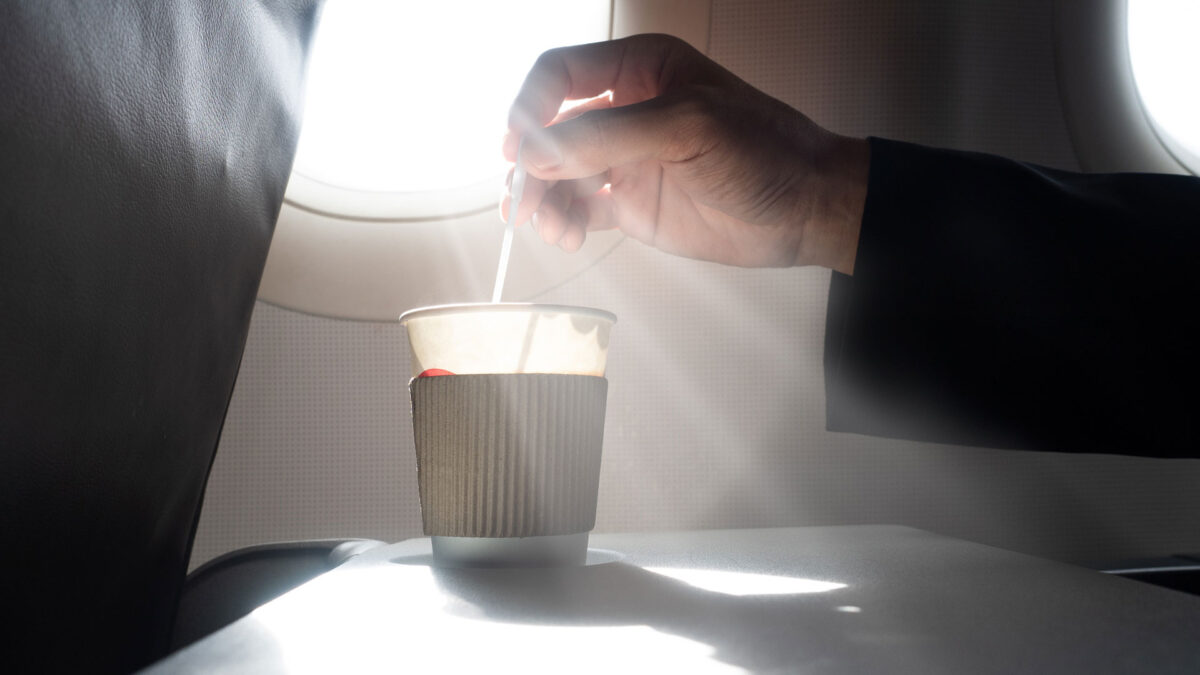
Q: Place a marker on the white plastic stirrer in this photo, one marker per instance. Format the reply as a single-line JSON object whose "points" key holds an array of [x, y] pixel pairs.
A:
{"points": [[518, 188]]}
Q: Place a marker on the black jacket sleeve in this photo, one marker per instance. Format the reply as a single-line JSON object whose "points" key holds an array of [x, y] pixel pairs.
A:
{"points": [[1001, 304]]}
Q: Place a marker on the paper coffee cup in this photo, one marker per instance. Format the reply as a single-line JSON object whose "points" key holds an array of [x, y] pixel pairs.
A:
{"points": [[508, 418]]}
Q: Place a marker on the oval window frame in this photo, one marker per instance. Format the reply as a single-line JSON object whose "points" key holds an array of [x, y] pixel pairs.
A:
{"points": [[1109, 127], [1186, 156]]}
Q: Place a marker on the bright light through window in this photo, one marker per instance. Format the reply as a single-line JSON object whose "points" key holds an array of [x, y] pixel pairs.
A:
{"points": [[1164, 51], [413, 96]]}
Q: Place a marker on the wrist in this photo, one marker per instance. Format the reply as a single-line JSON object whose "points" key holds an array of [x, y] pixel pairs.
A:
{"points": [[838, 195]]}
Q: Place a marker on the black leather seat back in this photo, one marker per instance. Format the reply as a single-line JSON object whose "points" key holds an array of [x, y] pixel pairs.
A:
{"points": [[144, 150]]}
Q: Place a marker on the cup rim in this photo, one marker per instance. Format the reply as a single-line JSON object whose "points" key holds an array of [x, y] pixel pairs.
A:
{"points": [[436, 310]]}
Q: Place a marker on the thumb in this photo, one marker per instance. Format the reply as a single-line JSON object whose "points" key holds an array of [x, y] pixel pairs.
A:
{"points": [[602, 139]]}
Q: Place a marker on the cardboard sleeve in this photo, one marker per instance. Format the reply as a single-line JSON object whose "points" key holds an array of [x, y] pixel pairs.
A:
{"points": [[508, 455]]}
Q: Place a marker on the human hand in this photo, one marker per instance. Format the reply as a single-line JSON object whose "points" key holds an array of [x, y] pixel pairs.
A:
{"points": [[684, 156]]}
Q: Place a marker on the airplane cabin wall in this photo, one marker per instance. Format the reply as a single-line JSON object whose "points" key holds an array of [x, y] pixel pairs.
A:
{"points": [[716, 404]]}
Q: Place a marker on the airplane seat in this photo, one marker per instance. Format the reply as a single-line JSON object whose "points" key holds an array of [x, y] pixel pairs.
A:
{"points": [[144, 152], [230, 586], [1178, 572]]}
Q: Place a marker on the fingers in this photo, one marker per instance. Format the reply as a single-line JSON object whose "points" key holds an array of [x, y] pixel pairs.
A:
{"points": [[585, 187], [599, 211], [633, 69], [570, 209], [556, 209], [575, 110], [668, 128], [535, 190], [553, 217], [647, 114], [584, 71]]}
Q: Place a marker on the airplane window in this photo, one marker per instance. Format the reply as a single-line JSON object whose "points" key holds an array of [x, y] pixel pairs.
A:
{"points": [[407, 101], [1164, 55]]}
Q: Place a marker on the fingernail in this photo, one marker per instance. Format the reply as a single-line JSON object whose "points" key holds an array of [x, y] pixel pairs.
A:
{"points": [[535, 221], [542, 152]]}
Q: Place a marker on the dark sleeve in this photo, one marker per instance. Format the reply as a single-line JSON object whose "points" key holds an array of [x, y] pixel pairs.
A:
{"points": [[1002, 304]]}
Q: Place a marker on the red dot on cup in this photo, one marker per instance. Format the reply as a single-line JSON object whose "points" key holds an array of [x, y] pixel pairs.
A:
{"points": [[434, 372]]}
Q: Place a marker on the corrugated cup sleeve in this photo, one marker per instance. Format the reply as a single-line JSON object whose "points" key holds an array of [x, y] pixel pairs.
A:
{"points": [[508, 455]]}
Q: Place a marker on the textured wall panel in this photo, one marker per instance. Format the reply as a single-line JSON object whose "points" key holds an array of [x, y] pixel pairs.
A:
{"points": [[716, 404], [318, 439]]}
